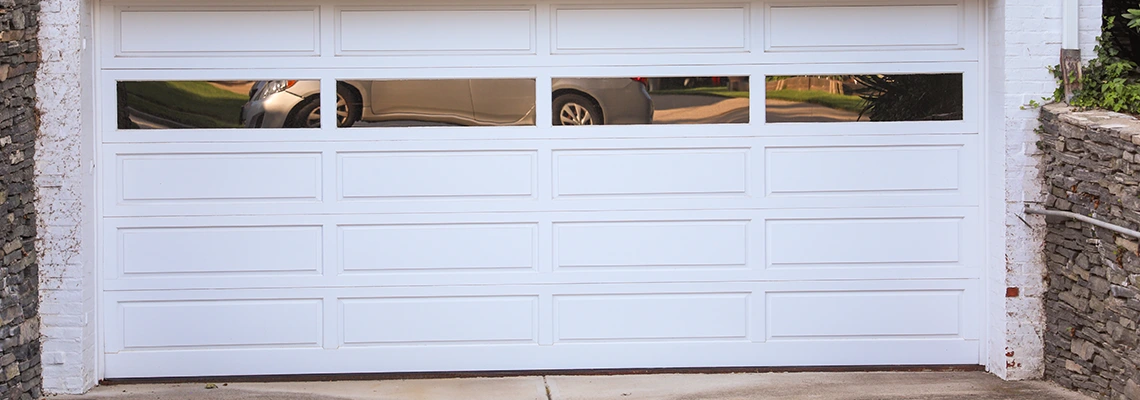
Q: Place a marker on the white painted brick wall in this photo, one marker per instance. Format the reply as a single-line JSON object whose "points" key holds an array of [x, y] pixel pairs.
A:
{"points": [[67, 289], [1024, 39]]}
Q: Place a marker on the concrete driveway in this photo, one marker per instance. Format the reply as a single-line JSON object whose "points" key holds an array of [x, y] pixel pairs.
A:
{"points": [[805, 385]]}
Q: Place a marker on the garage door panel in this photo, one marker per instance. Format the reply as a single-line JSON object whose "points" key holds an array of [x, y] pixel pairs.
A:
{"points": [[588, 175], [219, 250], [150, 31], [232, 177], [456, 248], [441, 175], [863, 170], [863, 314], [712, 324], [851, 243], [651, 317], [553, 248], [436, 30], [505, 34], [635, 28], [651, 244], [426, 320], [203, 324], [504, 357], [638, 172], [865, 26]]}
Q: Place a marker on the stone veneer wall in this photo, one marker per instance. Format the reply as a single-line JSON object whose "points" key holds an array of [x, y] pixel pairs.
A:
{"points": [[1091, 166], [19, 275]]}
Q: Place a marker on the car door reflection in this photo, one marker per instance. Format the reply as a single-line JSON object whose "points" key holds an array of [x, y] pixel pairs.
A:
{"points": [[644, 101]]}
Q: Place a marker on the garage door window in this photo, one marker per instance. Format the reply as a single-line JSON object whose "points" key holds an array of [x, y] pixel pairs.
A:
{"points": [[436, 102], [864, 98], [644, 101], [218, 104]]}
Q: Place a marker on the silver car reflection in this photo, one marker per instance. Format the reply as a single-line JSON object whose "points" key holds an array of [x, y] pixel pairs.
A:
{"points": [[467, 102]]}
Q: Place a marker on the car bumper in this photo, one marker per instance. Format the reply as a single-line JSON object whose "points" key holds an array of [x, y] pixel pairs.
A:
{"points": [[272, 112]]}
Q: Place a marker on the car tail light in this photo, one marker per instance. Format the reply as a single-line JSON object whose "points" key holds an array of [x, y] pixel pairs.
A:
{"points": [[642, 81]]}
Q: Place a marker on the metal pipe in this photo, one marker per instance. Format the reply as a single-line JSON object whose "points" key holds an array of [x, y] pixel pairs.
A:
{"points": [[1070, 38], [1082, 218]]}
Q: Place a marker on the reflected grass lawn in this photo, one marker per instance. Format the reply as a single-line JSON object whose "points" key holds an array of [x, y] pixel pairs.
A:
{"points": [[720, 91], [196, 104], [826, 99]]}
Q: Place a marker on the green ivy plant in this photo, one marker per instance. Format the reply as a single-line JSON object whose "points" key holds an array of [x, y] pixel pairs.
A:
{"points": [[1109, 81], [1133, 16]]}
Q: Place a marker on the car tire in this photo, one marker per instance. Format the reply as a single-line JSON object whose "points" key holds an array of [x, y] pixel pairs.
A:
{"points": [[308, 113], [575, 109]]}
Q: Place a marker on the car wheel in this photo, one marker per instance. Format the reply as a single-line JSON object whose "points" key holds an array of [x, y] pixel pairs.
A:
{"points": [[573, 109], [308, 113]]}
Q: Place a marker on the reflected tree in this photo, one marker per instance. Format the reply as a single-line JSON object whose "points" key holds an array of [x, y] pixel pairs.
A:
{"points": [[911, 97]]}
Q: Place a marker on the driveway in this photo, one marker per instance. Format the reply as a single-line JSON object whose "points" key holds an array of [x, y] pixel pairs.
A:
{"points": [[699, 109], [796, 111], [775, 386]]}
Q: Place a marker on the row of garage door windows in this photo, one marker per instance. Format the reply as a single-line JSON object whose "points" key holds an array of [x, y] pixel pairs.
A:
{"points": [[511, 102]]}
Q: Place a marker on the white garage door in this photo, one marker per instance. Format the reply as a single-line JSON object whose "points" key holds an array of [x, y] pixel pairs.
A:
{"points": [[786, 183]]}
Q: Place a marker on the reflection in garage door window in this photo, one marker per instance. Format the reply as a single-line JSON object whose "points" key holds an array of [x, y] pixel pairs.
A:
{"points": [[436, 102], [218, 104], [864, 98], [643, 101]]}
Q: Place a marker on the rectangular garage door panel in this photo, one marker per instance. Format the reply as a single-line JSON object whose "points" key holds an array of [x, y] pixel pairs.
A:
{"points": [[863, 314], [863, 170], [651, 316], [450, 175], [863, 242], [219, 177], [436, 31], [220, 32], [651, 244], [225, 250], [387, 248], [444, 319], [651, 172], [651, 29], [880, 27], [221, 323]]}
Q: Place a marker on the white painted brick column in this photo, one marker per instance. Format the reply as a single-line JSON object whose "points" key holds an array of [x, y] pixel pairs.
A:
{"points": [[64, 201], [1024, 39]]}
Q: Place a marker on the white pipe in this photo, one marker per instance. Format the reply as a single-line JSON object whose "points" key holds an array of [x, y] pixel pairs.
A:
{"points": [[1070, 39], [1079, 217]]}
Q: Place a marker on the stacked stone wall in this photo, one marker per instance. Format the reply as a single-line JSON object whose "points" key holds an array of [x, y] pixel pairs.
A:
{"points": [[1091, 166], [20, 368]]}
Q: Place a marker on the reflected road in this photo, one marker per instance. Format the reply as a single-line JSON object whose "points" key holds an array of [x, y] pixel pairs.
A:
{"points": [[794, 111], [695, 109]]}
